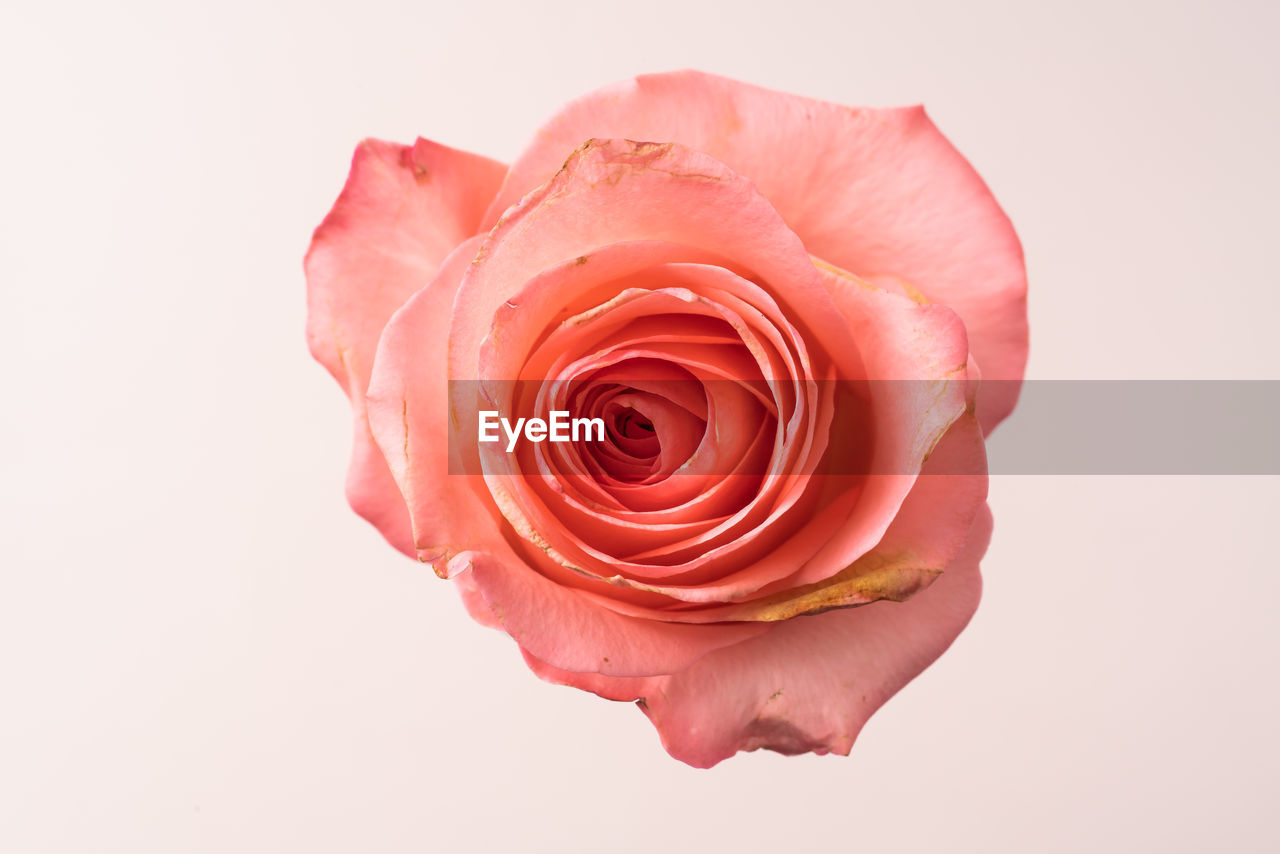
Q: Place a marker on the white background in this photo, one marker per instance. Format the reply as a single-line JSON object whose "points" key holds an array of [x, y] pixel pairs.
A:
{"points": [[203, 650]]}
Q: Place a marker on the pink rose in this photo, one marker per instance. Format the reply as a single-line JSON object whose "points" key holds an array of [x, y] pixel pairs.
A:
{"points": [[768, 542]]}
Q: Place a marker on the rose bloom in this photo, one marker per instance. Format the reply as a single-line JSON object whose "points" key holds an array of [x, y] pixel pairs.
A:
{"points": [[779, 308]]}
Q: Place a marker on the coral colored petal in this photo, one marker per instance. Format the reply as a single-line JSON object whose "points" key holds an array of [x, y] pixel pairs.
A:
{"points": [[622, 688], [571, 631], [919, 357], [409, 417], [473, 601], [372, 491], [919, 352], [812, 682], [616, 191], [403, 209], [924, 538], [875, 191]]}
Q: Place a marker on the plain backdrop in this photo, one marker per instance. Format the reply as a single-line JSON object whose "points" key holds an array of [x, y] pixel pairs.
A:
{"points": [[203, 650]]}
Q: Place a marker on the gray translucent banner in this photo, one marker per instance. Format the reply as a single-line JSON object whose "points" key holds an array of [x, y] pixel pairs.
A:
{"points": [[1140, 427], [1060, 427]]}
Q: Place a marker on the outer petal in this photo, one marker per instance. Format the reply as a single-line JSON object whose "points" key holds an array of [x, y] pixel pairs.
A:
{"points": [[408, 406], [559, 626], [920, 350], [885, 651], [616, 191], [474, 602], [403, 209], [620, 688], [874, 191], [812, 683], [457, 529], [619, 191]]}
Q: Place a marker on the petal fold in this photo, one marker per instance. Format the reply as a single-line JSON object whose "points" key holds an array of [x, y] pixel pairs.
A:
{"points": [[402, 210], [879, 192], [813, 682]]}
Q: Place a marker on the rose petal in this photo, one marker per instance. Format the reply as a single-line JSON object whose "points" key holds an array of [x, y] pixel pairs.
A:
{"points": [[571, 631], [809, 684], [919, 352], [403, 209], [874, 191], [926, 535], [408, 404], [615, 191], [812, 683], [473, 601], [621, 688]]}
